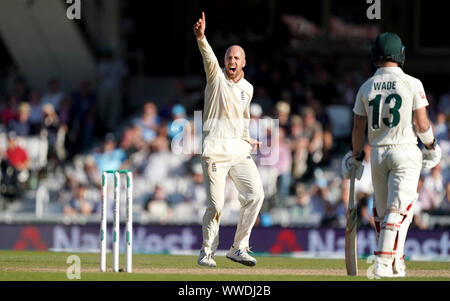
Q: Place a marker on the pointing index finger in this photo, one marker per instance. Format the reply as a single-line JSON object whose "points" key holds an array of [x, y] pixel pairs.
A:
{"points": [[203, 16]]}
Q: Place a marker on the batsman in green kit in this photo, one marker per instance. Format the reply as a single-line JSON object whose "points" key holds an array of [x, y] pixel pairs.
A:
{"points": [[226, 149]]}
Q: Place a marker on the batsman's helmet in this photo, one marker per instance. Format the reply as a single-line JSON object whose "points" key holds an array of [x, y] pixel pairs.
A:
{"points": [[388, 48]]}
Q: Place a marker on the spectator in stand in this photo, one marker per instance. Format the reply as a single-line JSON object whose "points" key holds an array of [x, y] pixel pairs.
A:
{"points": [[299, 147], [21, 126], [341, 206], [17, 156], [284, 168], [176, 126], [158, 165], [149, 121], [423, 197], [255, 117], [327, 140], [435, 182], [132, 140], [10, 111], [444, 102], [427, 199], [303, 208], [157, 204], [64, 118], [196, 191], [348, 90], [111, 158], [49, 128], [365, 205], [79, 203], [310, 99], [283, 109], [111, 74], [67, 189], [65, 111], [190, 142], [53, 95], [15, 162], [314, 133], [93, 178], [320, 201], [444, 208], [445, 161], [297, 128], [440, 126], [36, 114]]}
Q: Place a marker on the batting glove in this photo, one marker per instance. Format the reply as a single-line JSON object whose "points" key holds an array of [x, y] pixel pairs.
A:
{"points": [[350, 165], [431, 156]]}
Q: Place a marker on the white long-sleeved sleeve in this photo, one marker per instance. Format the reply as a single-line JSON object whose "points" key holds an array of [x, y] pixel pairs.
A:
{"points": [[210, 62]]}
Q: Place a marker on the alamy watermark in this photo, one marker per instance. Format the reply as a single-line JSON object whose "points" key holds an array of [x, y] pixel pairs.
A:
{"points": [[371, 270], [374, 10], [74, 10], [189, 139], [74, 270]]}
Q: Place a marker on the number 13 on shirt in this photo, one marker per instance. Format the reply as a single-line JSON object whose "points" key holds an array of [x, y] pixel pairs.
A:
{"points": [[376, 105]]}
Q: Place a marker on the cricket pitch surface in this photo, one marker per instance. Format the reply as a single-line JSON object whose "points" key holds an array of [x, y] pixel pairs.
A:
{"points": [[52, 266]]}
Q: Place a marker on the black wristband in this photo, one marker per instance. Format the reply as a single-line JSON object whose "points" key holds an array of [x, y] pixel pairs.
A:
{"points": [[361, 156], [433, 145]]}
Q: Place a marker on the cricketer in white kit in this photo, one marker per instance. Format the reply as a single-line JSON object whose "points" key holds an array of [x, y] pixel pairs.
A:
{"points": [[393, 105], [226, 149]]}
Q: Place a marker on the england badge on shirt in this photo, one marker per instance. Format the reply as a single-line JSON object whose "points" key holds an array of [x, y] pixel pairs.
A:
{"points": [[243, 98]]}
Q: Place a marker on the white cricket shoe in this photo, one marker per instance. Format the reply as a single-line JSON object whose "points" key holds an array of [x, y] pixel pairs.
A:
{"points": [[206, 260], [241, 256], [399, 269], [383, 268]]}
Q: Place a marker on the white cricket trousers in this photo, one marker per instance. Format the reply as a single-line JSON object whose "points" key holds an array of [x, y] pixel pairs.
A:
{"points": [[244, 174], [395, 176]]}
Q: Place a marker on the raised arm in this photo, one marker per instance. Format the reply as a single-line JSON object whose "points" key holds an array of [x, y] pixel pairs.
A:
{"points": [[210, 61]]}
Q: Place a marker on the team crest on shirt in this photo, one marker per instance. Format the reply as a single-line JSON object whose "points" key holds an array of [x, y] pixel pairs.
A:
{"points": [[243, 100], [422, 95]]}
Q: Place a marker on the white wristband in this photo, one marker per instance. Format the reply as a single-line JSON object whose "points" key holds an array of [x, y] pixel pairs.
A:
{"points": [[426, 137]]}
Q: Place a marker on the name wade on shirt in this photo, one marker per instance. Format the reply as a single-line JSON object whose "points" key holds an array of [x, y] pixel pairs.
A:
{"points": [[385, 85]]}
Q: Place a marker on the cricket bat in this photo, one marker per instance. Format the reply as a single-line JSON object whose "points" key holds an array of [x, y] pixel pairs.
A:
{"points": [[351, 255]]}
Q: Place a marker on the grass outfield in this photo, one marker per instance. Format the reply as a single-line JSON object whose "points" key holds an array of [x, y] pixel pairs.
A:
{"points": [[49, 266]]}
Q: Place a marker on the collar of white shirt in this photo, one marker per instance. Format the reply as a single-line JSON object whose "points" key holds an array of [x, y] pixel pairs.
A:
{"points": [[382, 70]]}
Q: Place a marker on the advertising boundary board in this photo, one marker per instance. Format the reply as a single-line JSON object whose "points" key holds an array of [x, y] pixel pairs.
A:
{"points": [[184, 238]]}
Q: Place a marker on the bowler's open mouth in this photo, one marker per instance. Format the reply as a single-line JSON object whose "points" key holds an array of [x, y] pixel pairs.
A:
{"points": [[232, 69]]}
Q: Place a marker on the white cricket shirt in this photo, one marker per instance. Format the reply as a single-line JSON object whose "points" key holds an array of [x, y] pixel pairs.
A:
{"points": [[226, 114], [388, 100]]}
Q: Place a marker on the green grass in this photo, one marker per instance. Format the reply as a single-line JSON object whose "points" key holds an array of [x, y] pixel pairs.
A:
{"points": [[48, 266]]}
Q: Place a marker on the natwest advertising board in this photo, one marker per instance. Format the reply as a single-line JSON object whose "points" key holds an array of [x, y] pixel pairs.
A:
{"points": [[157, 238]]}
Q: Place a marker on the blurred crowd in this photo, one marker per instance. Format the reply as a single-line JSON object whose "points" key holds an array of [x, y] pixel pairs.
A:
{"points": [[311, 101]]}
